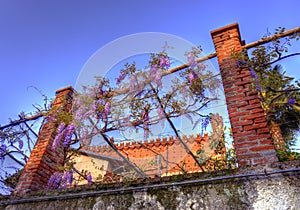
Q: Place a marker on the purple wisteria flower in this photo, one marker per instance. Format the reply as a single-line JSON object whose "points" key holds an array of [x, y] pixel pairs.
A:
{"points": [[67, 179], [257, 83], [192, 75], [253, 73], [291, 101], [121, 77], [164, 62], [89, 178], [69, 176], [101, 92], [57, 140], [61, 127], [88, 113], [84, 136], [158, 78], [139, 94], [191, 60], [153, 71], [107, 108], [20, 144], [54, 181], [68, 134], [239, 63], [78, 114], [97, 104], [133, 83], [106, 111], [60, 180], [59, 136], [156, 75], [64, 133]]}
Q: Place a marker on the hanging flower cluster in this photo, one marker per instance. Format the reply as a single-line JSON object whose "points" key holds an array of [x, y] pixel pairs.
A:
{"points": [[191, 59], [20, 142], [164, 61], [102, 109], [291, 101], [133, 83], [60, 180], [256, 80], [69, 130], [54, 181], [85, 136], [89, 178], [63, 133], [156, 75], [242, 63], [121, 77], [191, 76]]}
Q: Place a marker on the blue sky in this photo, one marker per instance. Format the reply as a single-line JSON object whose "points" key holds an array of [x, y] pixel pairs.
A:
{"points": [[45, 44]]}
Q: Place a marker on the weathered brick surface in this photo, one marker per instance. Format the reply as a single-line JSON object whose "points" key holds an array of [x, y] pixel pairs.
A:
{"points": [[43, 162], [251, 134]]}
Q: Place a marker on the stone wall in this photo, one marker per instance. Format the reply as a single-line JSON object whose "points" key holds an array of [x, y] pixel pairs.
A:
{"points": [[275, 186]]}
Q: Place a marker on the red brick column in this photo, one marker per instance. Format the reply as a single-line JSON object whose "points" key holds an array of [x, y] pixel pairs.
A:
{"points": [[44, 161], [252, 139]]}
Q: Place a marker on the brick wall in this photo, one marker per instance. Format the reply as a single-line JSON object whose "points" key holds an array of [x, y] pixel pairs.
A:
{"points": [[159, 156], [44, 161], [250, 131]]}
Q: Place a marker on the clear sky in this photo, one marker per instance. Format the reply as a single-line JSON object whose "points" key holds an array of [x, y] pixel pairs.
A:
{"points": [[45, 44]]}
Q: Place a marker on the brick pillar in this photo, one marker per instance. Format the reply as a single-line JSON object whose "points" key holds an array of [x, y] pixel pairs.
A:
{"points": [[44, 161], [252, 139]]}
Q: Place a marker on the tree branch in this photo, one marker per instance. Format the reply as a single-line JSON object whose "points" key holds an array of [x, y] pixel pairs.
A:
{"points": [[176, 132], [17, 122], [29, 128], [281, 58]]}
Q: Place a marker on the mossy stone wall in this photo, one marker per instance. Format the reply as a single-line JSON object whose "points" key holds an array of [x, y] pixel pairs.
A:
{"points": [[250, 188]]}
